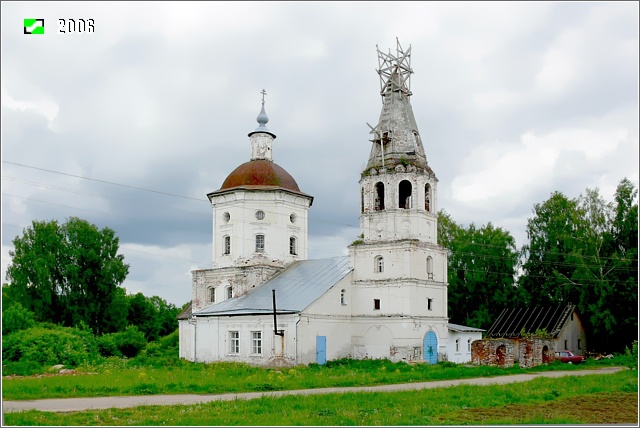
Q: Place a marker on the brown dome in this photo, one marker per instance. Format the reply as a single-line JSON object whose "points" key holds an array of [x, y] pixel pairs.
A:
{"points": [[260, 173]]}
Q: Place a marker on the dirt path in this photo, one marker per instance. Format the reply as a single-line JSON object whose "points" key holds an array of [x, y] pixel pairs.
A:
{"points": [[79, 404]]}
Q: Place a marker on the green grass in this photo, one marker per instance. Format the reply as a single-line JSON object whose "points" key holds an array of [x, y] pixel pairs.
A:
{"points": [[591, 399], [131, 377]]}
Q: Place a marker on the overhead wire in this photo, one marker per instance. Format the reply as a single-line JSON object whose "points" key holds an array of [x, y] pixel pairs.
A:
{"points": [[249, 240]]}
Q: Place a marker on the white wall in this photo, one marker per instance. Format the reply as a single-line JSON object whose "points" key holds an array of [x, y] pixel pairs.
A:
{"points": [[213, 343], [463, 354], [243, 226]]}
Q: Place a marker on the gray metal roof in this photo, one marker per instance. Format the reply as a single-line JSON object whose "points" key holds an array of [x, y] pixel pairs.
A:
{"points": [[296, 287], [462, 328]]}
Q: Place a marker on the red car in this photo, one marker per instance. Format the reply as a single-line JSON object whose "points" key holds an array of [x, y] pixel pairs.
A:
{"points": [[569, 357]]}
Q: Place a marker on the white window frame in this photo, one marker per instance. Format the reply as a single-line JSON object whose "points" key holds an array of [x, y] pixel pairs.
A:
{"points": [[212, 294], [343, 297], [260, 243], [229, 290], [256, 342], [234, 342], [379, 264], [469, 345], [458, 344], [429, 304]]}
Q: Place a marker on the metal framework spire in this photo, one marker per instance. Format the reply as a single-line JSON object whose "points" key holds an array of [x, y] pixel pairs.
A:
{"points": [[395, 71]]}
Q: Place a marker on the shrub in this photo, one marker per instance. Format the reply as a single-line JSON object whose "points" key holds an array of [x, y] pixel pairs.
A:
{"points": [[130, 342], [47, 345], [16, 318], [631, 355], [107, 345]]}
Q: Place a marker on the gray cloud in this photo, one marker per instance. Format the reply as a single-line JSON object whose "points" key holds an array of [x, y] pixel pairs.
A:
{"points": [[163, 96]]}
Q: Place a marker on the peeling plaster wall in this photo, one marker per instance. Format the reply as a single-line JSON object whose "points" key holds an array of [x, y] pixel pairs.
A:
{"points": [[532, 352], [485, 352], [241, 279], [393, 222], [396, 338]]}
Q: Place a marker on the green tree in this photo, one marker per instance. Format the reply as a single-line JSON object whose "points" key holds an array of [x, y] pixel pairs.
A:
{"points": [[167, 313], [584, 251], [69, 274], [482, 268], [15, 318], [548, 264], [143, 314]]}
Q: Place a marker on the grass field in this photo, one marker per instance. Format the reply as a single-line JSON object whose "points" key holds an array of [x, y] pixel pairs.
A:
{"points": [[591, 399], [120, 377]]}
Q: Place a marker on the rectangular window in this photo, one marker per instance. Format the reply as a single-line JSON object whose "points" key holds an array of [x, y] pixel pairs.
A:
{"points": [[376, 304], [565, 344], [256, 342], [429, 304], [579, 344], [259, 243], [227, 245], [212, 294], [234, 340]]}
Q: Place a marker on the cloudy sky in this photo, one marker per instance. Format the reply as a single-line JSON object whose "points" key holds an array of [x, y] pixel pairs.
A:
{"points": [[130, 126]]}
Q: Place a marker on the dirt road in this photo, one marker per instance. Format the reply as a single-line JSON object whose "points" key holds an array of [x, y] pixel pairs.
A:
{"points": [[78, 404]]}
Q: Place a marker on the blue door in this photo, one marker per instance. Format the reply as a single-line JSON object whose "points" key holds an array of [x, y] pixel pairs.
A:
{"points": [[321, 350], [431, 348]]}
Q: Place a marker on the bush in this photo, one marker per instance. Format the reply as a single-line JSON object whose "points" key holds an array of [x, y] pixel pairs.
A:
{"points": [[631, 355], [107, 346], [47, 345], [16, 318], [130, 342]]}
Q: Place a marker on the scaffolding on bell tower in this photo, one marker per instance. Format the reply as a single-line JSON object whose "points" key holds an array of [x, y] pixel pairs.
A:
{"points": [[395, 71]]}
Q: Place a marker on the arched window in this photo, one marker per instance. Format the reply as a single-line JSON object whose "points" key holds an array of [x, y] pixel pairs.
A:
{"points": [[379, 264], [343, 297], [227, 245], [429, 267], [362, 200], [379, 202], [404, 194], [427, 197], [458, 345], [229, 292], [292, 246], [468, 345], [212, 294], [259, 243]]}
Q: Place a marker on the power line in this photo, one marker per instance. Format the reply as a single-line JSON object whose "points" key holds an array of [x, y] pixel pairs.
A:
{"points": [[105, 181]]}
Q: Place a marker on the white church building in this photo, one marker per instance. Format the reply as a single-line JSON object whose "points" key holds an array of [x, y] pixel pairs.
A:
{"points": [[265, 303]]}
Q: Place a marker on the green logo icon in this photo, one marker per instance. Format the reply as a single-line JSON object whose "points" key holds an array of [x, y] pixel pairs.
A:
{"points": [[33, 26]]}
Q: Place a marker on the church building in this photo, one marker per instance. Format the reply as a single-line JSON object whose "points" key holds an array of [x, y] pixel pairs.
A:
{"points": [[265, 303]]}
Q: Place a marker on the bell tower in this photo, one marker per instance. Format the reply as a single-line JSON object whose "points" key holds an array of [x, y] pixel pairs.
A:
{"points": [[398, 262]]}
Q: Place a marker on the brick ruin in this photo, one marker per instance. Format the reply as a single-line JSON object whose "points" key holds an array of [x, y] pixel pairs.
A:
{"points": [[529, 352]]}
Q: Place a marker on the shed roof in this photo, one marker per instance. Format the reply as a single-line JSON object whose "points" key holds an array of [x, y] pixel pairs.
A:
{"points": [[463, 328], [296, 287], [512, 322]]}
